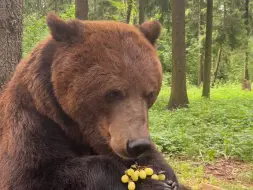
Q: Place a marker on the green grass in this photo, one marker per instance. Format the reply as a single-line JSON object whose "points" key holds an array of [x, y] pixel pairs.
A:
{"points": [[208, 129]]}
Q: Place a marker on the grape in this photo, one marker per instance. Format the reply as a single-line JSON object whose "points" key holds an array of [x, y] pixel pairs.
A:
{"points": [[131, 186], [130, 172], [161, 177], [154, 176], [142, 174], [124, 178], [135, 176], [149, 171]]}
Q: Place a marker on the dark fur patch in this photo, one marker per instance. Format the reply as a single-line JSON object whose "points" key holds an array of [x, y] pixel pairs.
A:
{"points": [[45, 74]]}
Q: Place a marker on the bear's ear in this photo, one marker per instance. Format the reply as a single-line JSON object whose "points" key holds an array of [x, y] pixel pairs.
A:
{"points": [[151, 30], [62, 31]]}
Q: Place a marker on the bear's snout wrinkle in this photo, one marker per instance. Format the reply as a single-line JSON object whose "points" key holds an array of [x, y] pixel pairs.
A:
{"points": [[138, 147]]}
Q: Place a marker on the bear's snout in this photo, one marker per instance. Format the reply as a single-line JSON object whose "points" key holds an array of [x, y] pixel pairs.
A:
{"points": [[138, 147]]}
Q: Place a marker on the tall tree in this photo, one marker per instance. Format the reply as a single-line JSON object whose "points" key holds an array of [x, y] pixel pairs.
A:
{"points": [[95, 5], [178, 96], [82, 9], [208, 50], [220, 40], [141, 11], [56, 7], [200, 34], [217, 65], [129, 10], [246, 83], [164, 7], [11, 28]]}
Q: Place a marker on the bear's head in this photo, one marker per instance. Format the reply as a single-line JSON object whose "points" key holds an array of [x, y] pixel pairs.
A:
{"points": [[105, 76]]}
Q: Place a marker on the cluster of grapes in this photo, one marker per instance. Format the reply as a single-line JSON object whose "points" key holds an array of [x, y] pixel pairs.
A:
{"points": [[136, 172]]}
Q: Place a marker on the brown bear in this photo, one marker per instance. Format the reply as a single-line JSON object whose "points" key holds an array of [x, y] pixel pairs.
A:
{"points": [[75, 113]]}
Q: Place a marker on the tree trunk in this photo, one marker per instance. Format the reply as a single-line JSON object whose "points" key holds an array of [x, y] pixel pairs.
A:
{"points": [[178, 96], [141, 11], [200, 68], [56, 8], [95, 6], [11, 25], [129, 10], [200, 34], [164, 6], [38, 5], [208, 50], [246, 77], [217, 65], [82, 9]]}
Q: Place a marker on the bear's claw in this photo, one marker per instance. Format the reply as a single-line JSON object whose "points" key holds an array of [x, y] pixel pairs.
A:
{"points": [[159, 185]]}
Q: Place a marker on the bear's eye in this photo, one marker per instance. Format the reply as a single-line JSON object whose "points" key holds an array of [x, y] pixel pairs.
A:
{"points": [[151, 97], [114, 95]]}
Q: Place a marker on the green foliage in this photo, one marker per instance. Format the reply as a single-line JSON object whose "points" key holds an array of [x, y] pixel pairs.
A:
{"points": [[41, 7], [229, 30], [165, 51], [220, 127], [68, 13], [109, 10], [35, 28]]}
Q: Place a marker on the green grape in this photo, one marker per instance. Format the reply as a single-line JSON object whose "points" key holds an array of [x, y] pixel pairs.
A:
{"points": [[154, 176], [131, 185], [130, 171], [124, 178], [161, 177], [149, 171], [135, 176], [142, 174]]}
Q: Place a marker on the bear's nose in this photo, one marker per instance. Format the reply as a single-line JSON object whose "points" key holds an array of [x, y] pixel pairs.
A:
{"points": [[137, 147]]}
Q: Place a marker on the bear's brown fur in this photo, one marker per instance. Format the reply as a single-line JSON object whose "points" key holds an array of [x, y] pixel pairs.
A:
{"points": [[75, 102]]}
